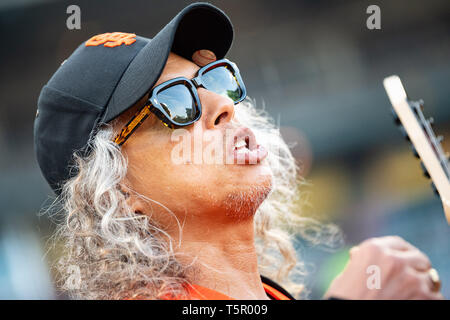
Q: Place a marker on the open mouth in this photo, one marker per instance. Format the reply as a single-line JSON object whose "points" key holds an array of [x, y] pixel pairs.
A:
{"points": [[242, 144], [245, 149]]}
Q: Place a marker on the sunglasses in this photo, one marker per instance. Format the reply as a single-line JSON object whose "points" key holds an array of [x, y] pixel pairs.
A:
{"points": [[176, 102]]}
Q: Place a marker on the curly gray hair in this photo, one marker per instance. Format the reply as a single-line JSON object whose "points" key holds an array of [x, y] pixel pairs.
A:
{"points": [[118, 254]]}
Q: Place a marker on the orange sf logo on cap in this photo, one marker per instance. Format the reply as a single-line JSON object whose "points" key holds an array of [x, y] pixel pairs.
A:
{"points": [[113, 39]]}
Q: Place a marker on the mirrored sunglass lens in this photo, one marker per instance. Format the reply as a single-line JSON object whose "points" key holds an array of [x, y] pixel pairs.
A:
{"points": [[178, 103], [221, 80]]}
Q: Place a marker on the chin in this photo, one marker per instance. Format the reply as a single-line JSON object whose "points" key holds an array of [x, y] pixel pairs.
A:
{"points": [[247, 195]]}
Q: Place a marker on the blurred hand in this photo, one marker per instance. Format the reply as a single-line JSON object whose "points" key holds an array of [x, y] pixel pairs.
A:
{"points": [[403, 271]]}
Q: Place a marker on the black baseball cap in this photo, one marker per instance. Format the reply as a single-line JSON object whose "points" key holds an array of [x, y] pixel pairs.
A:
{"points": [[108, 74]]}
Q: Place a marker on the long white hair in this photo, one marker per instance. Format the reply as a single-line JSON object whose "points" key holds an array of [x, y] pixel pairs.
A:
{"points": [[110, 252]]}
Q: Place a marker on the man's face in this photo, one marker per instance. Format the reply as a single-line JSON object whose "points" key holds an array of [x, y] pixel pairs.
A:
{"points": [[210, 188]]}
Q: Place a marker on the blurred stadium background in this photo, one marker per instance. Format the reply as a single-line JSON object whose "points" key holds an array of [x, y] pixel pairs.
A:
{"points": [[317, 69]]}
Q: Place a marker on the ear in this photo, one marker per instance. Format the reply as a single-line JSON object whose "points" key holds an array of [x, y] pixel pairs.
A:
{"points": [[133, 201], [203, 57]]}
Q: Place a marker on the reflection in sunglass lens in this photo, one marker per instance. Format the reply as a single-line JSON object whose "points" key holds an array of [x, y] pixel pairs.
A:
{"points": [[178, 103], [222, 81]]}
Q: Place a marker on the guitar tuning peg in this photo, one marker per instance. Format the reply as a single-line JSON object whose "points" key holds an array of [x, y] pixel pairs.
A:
{"points": [[435, 190], [425, 171], [431, 120], [418, 104], [395, 116], [414, 151], [404, 133], [439, 139], [421, 103]]}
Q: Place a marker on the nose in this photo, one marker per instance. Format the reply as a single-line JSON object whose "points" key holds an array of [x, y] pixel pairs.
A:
{"points": [[217, 110]]}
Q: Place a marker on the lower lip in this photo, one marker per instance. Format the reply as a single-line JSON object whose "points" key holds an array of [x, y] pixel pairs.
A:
{"points": [[246, 156]]}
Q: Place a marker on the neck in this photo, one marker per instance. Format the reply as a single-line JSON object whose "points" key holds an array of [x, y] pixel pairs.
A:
{"points": [[222, 257]]}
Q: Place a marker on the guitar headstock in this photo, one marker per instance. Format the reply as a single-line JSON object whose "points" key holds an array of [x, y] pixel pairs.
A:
{"points": [[426, 145]]}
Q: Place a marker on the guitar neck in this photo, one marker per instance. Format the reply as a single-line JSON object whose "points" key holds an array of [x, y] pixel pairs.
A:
{"points": [[417, 107], [420, 132]]}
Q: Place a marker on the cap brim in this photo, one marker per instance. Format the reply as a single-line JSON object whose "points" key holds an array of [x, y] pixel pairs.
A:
{"points": [[198, 26]]}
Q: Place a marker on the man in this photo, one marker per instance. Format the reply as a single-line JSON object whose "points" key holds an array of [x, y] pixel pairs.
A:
{"points": [[175, 187]]}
